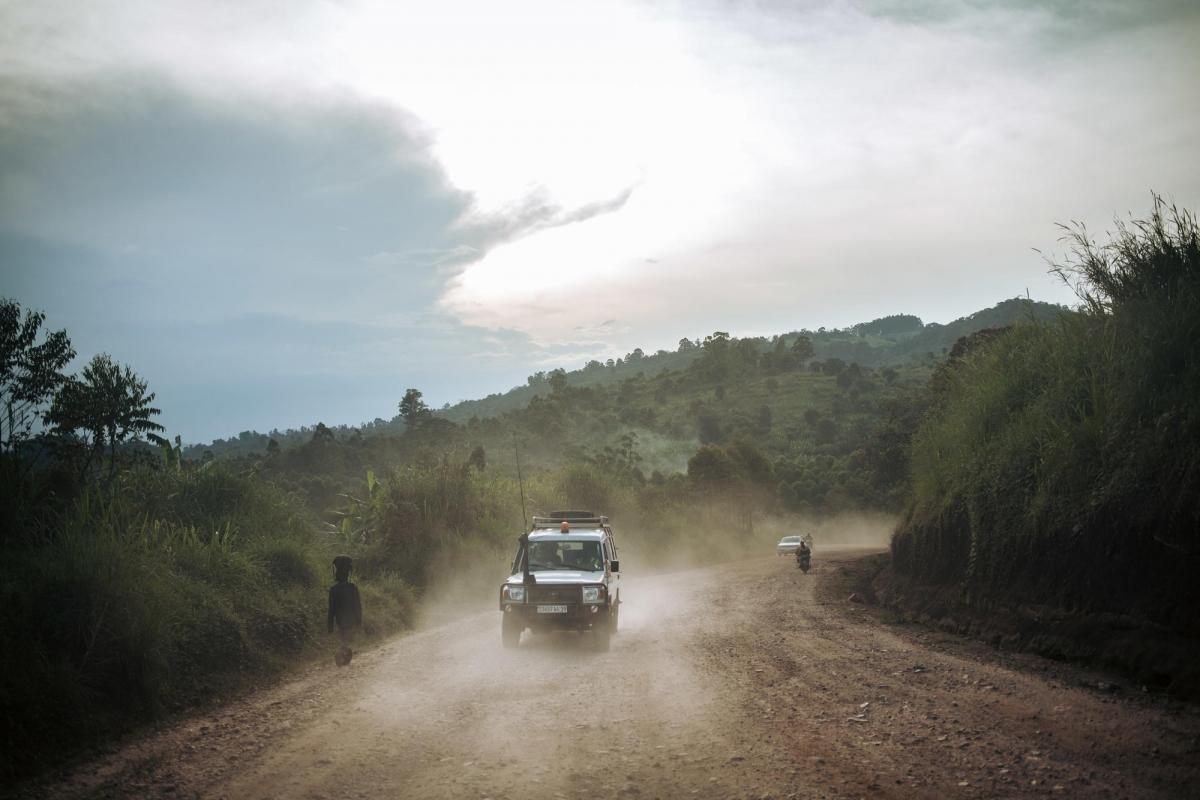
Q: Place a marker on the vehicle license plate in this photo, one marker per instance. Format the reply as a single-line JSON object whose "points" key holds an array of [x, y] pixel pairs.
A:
{"points": [[552, 609]]}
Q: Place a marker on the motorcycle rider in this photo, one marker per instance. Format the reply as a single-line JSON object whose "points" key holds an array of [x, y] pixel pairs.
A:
{"points": [[803, 554]]}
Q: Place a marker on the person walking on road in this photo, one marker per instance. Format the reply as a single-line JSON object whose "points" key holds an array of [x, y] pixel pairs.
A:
{"points": [[345, 609]]}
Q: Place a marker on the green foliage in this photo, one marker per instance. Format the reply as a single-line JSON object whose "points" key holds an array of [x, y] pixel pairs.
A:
{"points": [[413, 409], [417, 511], [587, 486], [30, 373], [892, 325], [621, 462], [175, 590], [711, 465], [110, 405], [1058, 463]]}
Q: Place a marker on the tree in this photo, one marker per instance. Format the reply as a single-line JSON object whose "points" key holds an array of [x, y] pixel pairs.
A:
{"points": [[753, 464], [478, 458], [802, 350], [826, 430], [708, 428], [622, 462], [109, 404], [30, 373], [557, 380], [715, 363], [833, 366], [775, 360], [413, 409], [764, 419], [890, 325], [711, 466], [739, 470]]}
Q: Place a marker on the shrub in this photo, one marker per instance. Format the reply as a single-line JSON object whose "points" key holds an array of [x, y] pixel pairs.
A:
{"points": [[1053, 467]]}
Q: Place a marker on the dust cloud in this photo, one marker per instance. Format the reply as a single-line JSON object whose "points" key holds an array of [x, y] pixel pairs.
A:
{"points": [[465, 579]]}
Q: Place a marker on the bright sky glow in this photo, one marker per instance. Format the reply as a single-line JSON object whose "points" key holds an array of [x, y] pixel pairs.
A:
{"points": [[501, 186]]}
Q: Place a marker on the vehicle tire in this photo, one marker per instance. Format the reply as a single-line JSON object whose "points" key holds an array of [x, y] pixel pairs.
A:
{"points": [[510, 630]]}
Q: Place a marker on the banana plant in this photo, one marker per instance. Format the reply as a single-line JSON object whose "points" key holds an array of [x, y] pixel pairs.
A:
{"points": [[355, 517], [172, 455]]}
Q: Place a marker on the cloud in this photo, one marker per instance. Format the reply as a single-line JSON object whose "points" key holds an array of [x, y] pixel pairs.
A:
{"points": [[849, 160], [235, 207], [268, 244], [336, 200]]}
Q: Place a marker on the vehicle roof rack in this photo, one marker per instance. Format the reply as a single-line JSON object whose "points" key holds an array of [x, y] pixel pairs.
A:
{"points": [[554, 521], [570, 515]]}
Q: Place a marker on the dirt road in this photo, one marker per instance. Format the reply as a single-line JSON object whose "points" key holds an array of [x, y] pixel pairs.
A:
{"points": [[747, 680]]}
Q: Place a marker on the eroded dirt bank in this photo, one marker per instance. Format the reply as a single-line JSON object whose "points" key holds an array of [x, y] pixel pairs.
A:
{"points": [[747, 680]]}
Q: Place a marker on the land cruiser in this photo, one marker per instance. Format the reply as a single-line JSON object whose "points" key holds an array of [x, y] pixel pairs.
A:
{"points": [[565, 576]]}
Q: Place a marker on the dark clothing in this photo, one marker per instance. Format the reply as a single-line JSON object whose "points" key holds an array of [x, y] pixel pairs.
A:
{"points": [[345, 607]]}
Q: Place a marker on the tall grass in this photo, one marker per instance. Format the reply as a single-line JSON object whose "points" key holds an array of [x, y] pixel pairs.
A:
{"points": [[1060, 464], [179, 589]]}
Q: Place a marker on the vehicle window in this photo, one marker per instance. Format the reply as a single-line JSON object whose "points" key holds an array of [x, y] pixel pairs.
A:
{"points": [[560, 554]]}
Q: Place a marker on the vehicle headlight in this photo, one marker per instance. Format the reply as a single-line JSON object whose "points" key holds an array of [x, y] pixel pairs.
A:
{"points": [[593, 594], [515, 594]]}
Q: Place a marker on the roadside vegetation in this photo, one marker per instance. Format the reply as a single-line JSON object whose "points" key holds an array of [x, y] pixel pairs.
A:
{"points": [[1058, 464], [141, 576]]}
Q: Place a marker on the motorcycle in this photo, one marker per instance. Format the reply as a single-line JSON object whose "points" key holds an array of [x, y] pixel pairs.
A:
{"points": [[804, 560]]}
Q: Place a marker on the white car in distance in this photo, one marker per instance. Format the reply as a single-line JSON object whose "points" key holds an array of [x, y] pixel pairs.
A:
{"points": [[788, 545]]}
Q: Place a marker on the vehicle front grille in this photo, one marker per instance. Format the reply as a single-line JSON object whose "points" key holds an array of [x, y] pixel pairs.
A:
{"points": [[554, 594]]}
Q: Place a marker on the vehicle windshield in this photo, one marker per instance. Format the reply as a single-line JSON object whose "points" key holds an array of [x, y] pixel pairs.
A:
{"points": [[790, 539], [564, 554]]}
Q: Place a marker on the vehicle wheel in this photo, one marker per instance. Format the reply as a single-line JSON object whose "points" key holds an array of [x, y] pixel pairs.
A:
{"points": [[510, 630]]}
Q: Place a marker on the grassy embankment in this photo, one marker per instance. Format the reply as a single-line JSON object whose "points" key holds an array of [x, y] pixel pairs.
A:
{"points": [[176, 589], [184, 587], [1059, 470]]}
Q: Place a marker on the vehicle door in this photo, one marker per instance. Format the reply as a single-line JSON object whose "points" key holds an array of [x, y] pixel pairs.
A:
{"points": [[614, 577]]}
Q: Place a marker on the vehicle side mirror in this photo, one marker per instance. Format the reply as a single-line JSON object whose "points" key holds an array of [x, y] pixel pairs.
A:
{"points": [[614, 565]]}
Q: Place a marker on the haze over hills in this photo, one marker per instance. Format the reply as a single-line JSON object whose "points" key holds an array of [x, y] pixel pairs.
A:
{"points": [[890, 341], [887, 341]]}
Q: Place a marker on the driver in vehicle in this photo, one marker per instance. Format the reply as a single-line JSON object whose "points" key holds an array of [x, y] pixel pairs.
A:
{"points": [[543, 555], [584, 556]]}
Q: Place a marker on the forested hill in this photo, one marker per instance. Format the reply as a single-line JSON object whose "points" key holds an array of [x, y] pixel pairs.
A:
{"points": [[892, 341], [887, 341]]}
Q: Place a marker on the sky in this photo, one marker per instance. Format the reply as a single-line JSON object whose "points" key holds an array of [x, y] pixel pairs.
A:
{"points": [[280, 213]]}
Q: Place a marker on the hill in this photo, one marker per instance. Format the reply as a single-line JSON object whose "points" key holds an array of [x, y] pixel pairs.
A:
{"points": [[888, 341], [894, 341]]}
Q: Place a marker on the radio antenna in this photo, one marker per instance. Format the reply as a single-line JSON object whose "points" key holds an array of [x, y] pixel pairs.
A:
{"points": [[520, 480]]}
